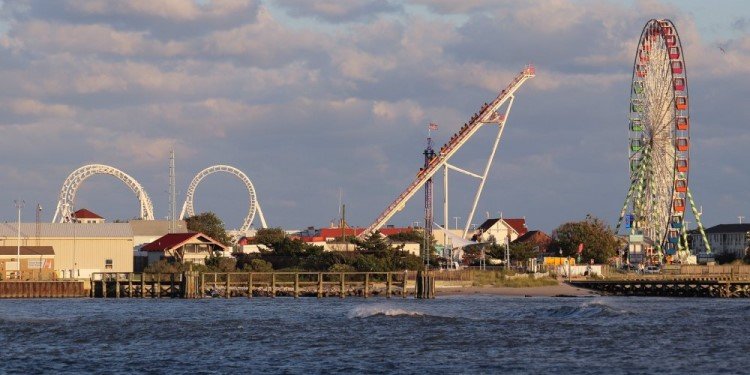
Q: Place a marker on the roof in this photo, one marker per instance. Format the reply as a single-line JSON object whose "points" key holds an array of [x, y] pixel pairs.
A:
{"points": [[58, 230], [27, 250], [336, 232], [174, 240], [153, 228], [519, 225], [729, 228], [86, 214], [528, 236]]}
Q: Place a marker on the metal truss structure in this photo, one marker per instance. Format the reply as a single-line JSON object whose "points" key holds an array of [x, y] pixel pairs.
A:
{"points": [[187, 207], [70, 186], [659, 145], [494, 114]]}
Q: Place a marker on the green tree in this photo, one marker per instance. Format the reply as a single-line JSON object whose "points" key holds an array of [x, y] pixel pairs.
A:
{"points": [[209, 224], [258, 265], [521, 252], [269, 236], [599, 242]]}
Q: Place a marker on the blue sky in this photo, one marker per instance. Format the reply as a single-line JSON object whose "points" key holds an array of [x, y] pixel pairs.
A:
{"points": [[308, 98]]}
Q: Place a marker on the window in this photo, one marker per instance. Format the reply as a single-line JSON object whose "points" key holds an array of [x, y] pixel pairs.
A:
{"points": [[108, 264]]}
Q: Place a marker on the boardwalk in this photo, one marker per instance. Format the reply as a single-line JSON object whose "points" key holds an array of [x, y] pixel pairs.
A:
{"points": [[249, 284]]}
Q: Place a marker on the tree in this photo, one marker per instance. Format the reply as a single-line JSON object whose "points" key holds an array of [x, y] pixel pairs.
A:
{"points": [[210, 225], [269, 236], [522, 251], [599, 242]]}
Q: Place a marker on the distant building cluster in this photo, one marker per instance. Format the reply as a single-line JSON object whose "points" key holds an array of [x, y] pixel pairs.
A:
{"points": [[88, 244]]}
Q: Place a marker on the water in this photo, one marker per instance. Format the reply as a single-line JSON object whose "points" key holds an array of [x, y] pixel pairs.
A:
{"points": [[461, 334]]}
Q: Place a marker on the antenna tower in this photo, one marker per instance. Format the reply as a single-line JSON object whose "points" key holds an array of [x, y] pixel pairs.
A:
{"points": [[38, 222], [429, 154], [172, 195]]}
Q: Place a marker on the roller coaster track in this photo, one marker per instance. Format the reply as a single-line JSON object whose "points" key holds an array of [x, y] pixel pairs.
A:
{"points": [[490, 114]]}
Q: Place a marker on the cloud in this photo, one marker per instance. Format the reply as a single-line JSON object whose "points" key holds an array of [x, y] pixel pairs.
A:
{"points": [[306, 107], [339, 11]]}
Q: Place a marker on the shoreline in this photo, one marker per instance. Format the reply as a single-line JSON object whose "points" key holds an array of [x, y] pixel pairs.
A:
{"points": [[560, 290]]}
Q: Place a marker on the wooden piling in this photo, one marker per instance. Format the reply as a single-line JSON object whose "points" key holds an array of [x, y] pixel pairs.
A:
{"points": [[130, 285], [296, 285], [388, 285], [104, 287], [273, 285], [250, 285], [117, 285], [229, 291], [158, 285], [320, 285], [367, 284], [343, 287]]}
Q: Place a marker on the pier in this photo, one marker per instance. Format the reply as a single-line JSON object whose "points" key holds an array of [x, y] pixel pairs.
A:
{"points": [[42, 289], [249, 284]]}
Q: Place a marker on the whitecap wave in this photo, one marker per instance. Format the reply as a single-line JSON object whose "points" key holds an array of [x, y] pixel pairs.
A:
{"points": [[369, 311]]}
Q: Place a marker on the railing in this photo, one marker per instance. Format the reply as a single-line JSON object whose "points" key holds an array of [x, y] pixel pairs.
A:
{"points": [[248, 284]]}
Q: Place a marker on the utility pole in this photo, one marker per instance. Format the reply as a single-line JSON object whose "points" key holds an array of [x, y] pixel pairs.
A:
{"points": [[38, 222], [172, 194], [428, 153], [740, 217], [19, 205]]}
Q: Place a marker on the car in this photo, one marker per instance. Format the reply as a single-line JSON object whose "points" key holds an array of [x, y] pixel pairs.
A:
{"points": [[652, 270]]}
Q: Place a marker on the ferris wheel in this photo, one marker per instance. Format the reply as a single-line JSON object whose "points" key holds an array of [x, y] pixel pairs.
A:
{"points": [[659, 144]]}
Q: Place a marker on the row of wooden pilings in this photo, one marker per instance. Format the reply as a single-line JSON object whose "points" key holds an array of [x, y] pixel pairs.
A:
{"points": [[258, 284], [41, 289]]}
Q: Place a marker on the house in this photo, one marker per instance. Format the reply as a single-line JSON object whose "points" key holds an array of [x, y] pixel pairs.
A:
{"points": [[80, 249], [536, 238], [84, 216], [183, 247], [147, 231], [37, 262], [499, 230], [731, 239]]}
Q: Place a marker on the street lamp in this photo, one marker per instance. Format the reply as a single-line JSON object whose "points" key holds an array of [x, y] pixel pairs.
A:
{"points": [[19, 205], [456, 219]]}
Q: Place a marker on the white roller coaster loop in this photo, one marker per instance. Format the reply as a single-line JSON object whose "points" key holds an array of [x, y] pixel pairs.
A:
{"points": [[71, 184], [187, 207]]}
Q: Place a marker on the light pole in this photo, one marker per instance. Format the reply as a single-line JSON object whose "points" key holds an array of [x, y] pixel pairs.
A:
{"points": [[19, 205], [456, 219]]}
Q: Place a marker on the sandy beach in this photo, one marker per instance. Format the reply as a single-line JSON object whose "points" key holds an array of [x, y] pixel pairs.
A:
{"points": [[560, 290]]}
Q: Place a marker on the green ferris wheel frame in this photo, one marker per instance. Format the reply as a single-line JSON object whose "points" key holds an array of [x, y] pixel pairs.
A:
{"points": [[659, 142]]}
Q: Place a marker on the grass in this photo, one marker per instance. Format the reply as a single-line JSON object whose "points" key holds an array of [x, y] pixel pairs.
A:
{"points": [[499, 279]]}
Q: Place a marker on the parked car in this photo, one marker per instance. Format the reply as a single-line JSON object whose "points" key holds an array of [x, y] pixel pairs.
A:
{"points": [[652, 270]]}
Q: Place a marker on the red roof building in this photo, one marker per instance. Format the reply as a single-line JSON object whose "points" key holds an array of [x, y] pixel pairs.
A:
{"points": [[183, 247], [86, 217], [501, 229]]}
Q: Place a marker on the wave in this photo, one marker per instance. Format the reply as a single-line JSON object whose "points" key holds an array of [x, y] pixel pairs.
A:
{"points": [[586, 310], [362, 312]]}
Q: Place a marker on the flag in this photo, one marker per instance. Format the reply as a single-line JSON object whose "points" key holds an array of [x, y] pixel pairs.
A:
{"points": [[433, 126], [580, 248]]}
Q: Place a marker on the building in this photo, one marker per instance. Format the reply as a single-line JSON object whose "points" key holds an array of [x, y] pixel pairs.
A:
{"points": [[84, 216], [536, 238], [183, 247], [37, 262], [731, 239], [80, 249], [499, 230], [146, 232]]}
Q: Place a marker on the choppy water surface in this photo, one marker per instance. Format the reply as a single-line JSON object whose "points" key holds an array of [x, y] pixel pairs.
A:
{"points": [[464, 334]]}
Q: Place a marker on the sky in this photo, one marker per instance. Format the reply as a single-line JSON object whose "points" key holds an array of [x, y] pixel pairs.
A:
{"points": [[310, 99]]}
